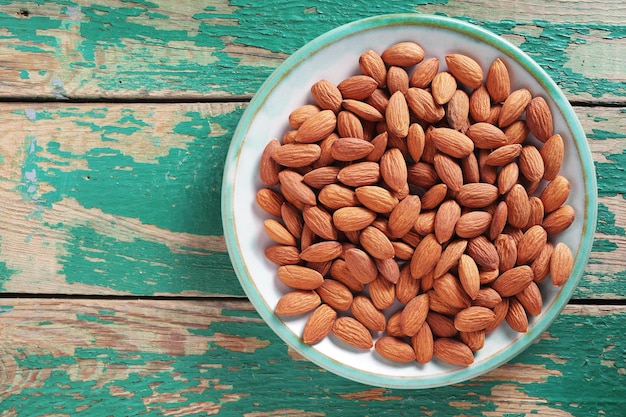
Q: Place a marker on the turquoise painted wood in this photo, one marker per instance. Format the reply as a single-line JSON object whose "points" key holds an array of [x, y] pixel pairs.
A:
{"points": [[116, 118]]}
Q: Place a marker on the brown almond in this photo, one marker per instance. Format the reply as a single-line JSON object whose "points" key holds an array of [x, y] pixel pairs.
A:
{"points": [[424, 73], [406, 287], [403, 251], [297, 302], [382, 293], [513, 281], [488, 173], [296, 155], [555, 194], [458, 109], [394, 349], [471, 170], [415, 141], [501, 309], [450, 257], [426, 256], [350, 331], [445, 220], [487, 297], [425, 223], [514, 106], [453, 352], [317, 127], [301, 113], [449, 288], [282, 255], [350, 149], [477, 195], [422, 343], [508, 176], [474, 340], [270, 201], [498, 220], [473, 319], [469, 277], [483, 252], [367, 314], [376, 243], [349, 219], [423, 105], [340, 272], [397, 80], [473, 224], [397, 115], [361, 265], [319, 324], [465, 69], [531, 163], [359, 174], [321, 177], [422, 174], [441, 325], [480, 104], [561, 264], [380, 146], [299, 277], [531, 244], [393, 169], [320, 222], [518, 206], [486, 136], [371, 64], [539, 118], [349, 126], [326, 95], [414, 314], [268, 167], [403, 54], [449, 171], [388, 268], [307, 238], [293, 184], [362, 110], [404, 216], [379, 100], [516, 132], [503, 155], [541, 264], [434, 196], [507, 251], [552, 153], [451, 142], [443, 87], [322, 251], [336, 294], [530, 298], [326, 145], [498, 81], [278, 232], [376, 198], [559, 220], [516, 316], [357, 87], [335, 196]]}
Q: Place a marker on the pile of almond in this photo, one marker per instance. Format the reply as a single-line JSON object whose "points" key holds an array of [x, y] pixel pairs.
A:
{"points": [[414, 208]]}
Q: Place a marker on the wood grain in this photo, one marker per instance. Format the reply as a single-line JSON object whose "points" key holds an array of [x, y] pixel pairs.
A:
{"points": [[163, 357], [125, 199], [185, 49]]}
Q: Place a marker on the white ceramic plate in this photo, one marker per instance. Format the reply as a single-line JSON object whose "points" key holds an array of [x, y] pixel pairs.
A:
{"points": [[334, 56]]}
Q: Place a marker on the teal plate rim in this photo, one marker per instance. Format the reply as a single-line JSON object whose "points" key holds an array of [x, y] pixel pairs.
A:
{"points": [[466, 29]]}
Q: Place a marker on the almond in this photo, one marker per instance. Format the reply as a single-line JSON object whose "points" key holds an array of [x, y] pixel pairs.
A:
{"points": [[539, 118], [326, 145], [514, 106], [468, 275], [516, 132], [518, 206], [293, 184], [559, 220], [397, 115], [362, 110], [453, 352], [445, 220], [394, 349], [296, 155], [382, 293], [388, 268], [449, 288], [357, 87], [376, 243], [380, 146], [516, 316], [322, 267], [441, 325], [297, 302], [300, 114], [486, 136], [350, 149], [473, 319], [422, 174], [483, 252], [376, 198], [406, 287], [335, 196], [371, 64], [457, 110], [320, 222], [503, 155], [282, 255], [367, 314], [317, 127], [268, 167], [359, 174], [335, 294], [379, 100], [414, 314], [531, 163], [480, 104], [474, 340], [507, 252], [349, 125], [403, 54], [488, 173], [350, 331], [555, 194], [508, 176], [531, 244], [471, 170], [300, 277], [340, 272], [307, 238], [415, 141], [434, 196], [450, 257], [498, 220], [465, 69], [349, 219], [423, 105], [404, 216], [361, 265], [487, 297], [501, 310], [473, 224], [425, 257], [270, 201], [561, 264], [278, 232], [403, 251], [530, 298], [422, 343], [541, 264], [424, 73], [326, 95], [322, 251], [319, 324], [425, 223], [552, 153], [393, 169], [477, 195], [443, 87], [451, 142], [513, 281], [449, 171], [498, 81], [397, 80]]}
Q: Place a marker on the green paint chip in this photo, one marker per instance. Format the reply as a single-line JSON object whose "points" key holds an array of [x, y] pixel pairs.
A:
{"points": [[24, 75]]}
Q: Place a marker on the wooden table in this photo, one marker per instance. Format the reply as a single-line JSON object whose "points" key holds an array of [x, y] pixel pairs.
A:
{"points": [[118, 296]]}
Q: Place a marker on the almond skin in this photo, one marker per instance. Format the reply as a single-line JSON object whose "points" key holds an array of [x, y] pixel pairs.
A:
{"points": [[487, 297], [503, 155], [319, 324], [297, 302], [350, 331], [559, 220], [486, 136], [453, 352], [361, 265], [531, 163], [498, 81], [465, 69], [473, 319], [443, 87], [516, 316], [414, 314], [477, 195], [296, 155], [404, 216], [350, 149], [422, 343], [530, 298], [397, 115], [363, 110], [406, 287], [393, 169], [367, 314], [339, 271], [326, 95], [299, 277], [292, 217], [426, 256], [516, 132], [468, 275], [483, 252], [359, 174], [541, 265], [403, 54], [371, 64], [518, 206], [397, 80], [450, 256], [539, 118], [282, 255], [498, 220], [458, 110], [382, 292], [335, 294], [449, 288], [270, 201], [424, 73], [561, 264], [357, 87], [376, 243], [278, 232], [513, 281], [394, 349], [507, 252], [451, 142], [322, 251], [376, 198], [320, 222], [473, 224], [317, 127], [555, 194], [552, 153], [501, 310], [349, 219], [508, 176], [480, 104], [336, 196], [531, 244], [449, 171], [293, 184], [268, 167], [446, 219], [423, 105], [514, 106], [349, 126]]}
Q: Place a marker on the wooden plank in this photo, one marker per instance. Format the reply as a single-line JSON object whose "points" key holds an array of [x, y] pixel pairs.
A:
{"points": [[185, 49], [177, 358], [125, 199]]}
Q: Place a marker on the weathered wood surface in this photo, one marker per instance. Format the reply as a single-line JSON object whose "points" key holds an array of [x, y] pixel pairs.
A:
{"points": [[89, 190], [178, 358], [167, 49]]}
